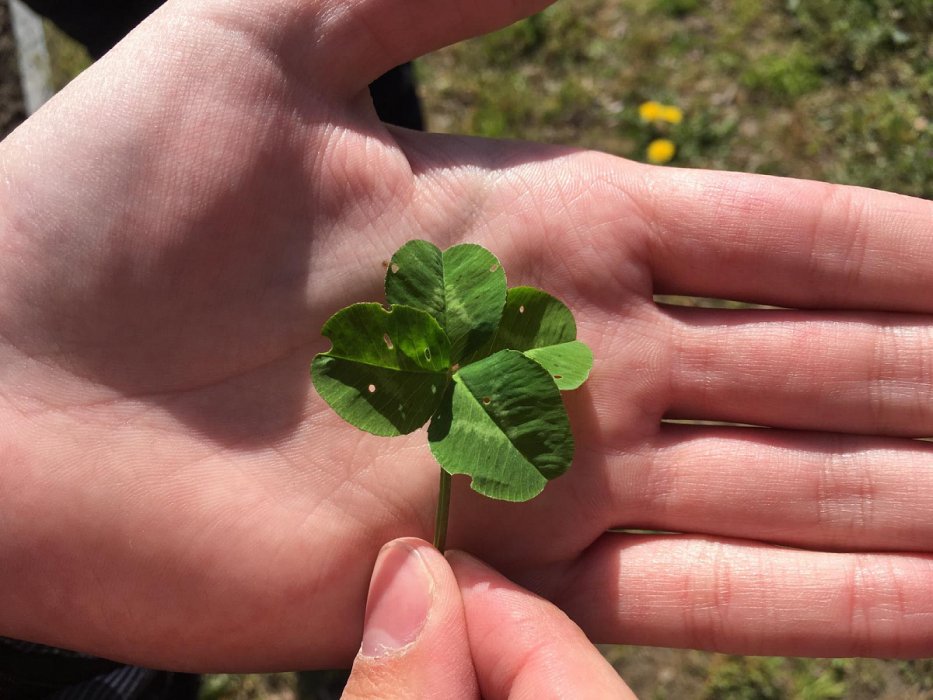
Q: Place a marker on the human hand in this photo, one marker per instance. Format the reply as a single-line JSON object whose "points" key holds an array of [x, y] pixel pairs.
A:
{"points": [[179, 222], [431, 635]]}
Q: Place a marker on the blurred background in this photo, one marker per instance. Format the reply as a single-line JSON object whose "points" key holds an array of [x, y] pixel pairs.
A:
{"points": [[835, 90]]}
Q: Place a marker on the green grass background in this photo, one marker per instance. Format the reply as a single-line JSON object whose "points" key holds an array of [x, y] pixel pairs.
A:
{"points": [[836, 90]]}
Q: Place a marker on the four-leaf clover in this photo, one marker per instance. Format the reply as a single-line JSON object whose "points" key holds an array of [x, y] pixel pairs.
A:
{"points": [[485, 364]]}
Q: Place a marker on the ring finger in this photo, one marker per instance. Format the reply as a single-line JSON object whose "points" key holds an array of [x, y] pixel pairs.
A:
{"points": [[821, 491]]}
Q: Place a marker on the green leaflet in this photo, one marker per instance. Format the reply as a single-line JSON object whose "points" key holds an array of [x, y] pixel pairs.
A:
{"points": [[543, 328], [568, 364], [503, 423], [533, 319], [463, 288], [387, 370]]}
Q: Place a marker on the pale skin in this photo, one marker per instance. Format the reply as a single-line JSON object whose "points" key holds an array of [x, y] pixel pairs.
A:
{"points": [[176, 226], [483, 636]]}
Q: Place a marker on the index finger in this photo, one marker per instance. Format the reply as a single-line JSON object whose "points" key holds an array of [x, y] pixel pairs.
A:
{"points": [[788, 242], [523, 646]]}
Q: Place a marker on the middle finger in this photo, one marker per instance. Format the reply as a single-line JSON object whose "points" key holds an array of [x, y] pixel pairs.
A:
{"points": [[869, 373]]}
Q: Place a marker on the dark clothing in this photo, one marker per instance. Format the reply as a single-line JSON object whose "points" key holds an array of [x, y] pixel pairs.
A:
{"points": [[36, 672]]}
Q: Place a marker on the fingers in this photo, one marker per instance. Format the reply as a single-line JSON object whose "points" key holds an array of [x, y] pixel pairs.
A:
{"points": [[789, 242], [865, 373], [770, 240], [746, 598], [799, 489], [414, 636], [415, 641], [524, 647]]}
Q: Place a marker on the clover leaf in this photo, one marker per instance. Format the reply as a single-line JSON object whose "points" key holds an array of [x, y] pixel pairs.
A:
{"points": [[463, 288], [387, 370], [543, 328], [503, 423], [483, 363]]}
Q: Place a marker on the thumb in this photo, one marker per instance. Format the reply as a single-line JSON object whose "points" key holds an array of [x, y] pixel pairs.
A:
{"points": [[372, 36], [414, 635]]}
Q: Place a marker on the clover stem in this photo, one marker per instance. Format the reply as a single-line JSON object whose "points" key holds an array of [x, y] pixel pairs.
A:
{"points": [[443, 511]]}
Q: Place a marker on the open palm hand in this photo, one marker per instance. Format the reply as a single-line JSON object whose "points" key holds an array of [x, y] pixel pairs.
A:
{"points": [[178, 224]]}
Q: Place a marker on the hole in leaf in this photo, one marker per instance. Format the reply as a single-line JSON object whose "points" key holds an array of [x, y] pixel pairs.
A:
{"points": [[394, 267], [427, 353], [521, 309], [494, 267], [372, 388], [486, 400], [388, 340]]}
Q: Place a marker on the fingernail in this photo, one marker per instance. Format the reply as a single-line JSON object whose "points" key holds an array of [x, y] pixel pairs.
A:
{"points": [[400, 596]]}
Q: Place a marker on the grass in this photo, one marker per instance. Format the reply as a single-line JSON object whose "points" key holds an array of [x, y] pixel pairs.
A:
{"points": [[270, 686], [668, 674], [67, 58], [837, 90], [656, 674]]}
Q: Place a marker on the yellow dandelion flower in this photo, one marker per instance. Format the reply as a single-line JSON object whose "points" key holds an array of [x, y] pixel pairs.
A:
{"points": [[661, 151], [650, 111], [671, 114]]}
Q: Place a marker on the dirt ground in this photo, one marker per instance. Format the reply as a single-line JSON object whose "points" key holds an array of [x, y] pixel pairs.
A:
{"points": [[11, 97]]}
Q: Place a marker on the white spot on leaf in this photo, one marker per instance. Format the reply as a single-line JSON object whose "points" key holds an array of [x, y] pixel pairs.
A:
{"points": [[388, 340], [371, 388]]}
